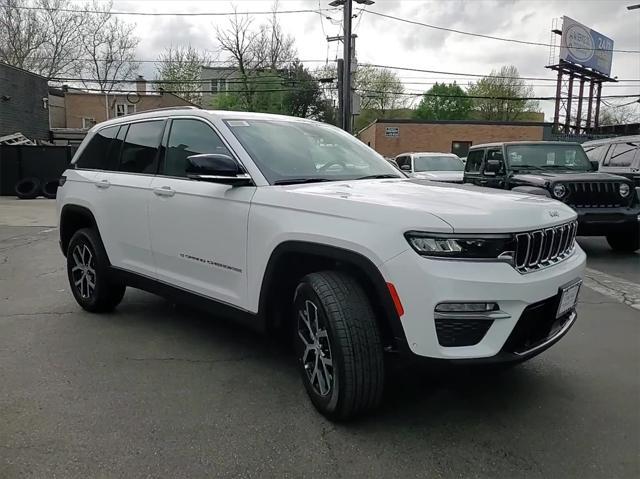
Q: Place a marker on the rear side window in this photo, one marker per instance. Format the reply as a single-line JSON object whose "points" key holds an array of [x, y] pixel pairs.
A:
{"points": [[140, 149], [96, 154], [623, 154], [474, 160], [189, 137]]}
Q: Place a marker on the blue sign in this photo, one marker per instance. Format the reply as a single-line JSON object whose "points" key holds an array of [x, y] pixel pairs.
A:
{"points": [[585, 47]]}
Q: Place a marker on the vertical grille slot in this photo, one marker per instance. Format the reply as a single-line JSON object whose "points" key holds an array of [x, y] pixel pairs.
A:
{"points": [[540, 248], [594, 194]]}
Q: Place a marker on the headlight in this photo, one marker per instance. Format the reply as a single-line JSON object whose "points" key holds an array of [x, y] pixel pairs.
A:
{"points": [[559, 190], [462, 246], [624, 190]]}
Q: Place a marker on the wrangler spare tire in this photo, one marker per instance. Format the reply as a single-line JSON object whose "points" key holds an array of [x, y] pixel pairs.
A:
{"points": [[28, 188], [50, 188]]}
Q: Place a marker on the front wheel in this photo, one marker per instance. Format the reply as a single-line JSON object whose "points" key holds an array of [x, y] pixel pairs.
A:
{"points": [[338, 345], [625, 242]]}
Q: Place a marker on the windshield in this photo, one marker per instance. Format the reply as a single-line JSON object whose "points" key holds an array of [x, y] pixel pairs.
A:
{"points": [[298, 151], [548, 156], [437, 163]]}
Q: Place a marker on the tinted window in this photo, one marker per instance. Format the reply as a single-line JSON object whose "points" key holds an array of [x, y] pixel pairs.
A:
{"points": [[403, 160], [623, 154], [95, 155], [474, 160], [189, 137], [139, 153]]}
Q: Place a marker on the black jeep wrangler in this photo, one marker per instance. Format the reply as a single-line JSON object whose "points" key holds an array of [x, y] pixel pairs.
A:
{"points": [[607, 205]]}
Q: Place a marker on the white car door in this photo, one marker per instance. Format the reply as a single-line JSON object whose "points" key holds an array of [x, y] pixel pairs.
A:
{"points": [[198, 228], [124, 197]]}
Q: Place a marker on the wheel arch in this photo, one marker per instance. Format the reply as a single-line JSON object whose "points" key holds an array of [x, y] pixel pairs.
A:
{"points": [[291, 260], [73, 218]]}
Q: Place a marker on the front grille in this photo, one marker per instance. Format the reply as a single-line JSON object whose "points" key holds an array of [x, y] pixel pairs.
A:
{"points": [[460, 331], [536, 324], [541, 248], [594, 194]]}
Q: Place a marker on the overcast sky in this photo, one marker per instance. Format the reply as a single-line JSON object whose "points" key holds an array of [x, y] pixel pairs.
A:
{"points": [[388, 42]]}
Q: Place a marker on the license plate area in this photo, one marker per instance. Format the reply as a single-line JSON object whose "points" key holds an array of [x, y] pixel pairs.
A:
{"points": [[568, 298]]}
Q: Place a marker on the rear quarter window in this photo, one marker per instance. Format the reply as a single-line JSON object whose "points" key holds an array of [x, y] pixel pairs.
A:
{"points": [[96, 156]]}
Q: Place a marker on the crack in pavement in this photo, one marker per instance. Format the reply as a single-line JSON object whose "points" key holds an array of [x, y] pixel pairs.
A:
{"points": [[620, 289], [41, 313], [206, 361]]}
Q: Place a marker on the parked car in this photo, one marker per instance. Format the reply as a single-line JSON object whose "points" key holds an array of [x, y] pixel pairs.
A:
{"points": [[463, 159], [445, 167], [620, 156], [392, 161], [607, 205], [296, 227]]}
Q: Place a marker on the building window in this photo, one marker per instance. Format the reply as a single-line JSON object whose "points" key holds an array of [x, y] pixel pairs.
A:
{"points": [[88, 123], [219, 85], [460, 148], [123, 109]]}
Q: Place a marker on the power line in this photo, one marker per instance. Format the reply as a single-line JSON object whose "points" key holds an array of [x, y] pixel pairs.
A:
{"points": [[490, 37], [218, 62], [479, 97], [475, 75], [175, 14]]}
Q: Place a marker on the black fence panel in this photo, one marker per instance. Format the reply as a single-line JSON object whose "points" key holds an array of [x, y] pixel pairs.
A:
{"points": [[23, 161]]}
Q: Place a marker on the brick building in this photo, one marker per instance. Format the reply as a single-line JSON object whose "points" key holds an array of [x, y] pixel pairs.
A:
{"points": [[81, 109], [392, 137], [23, 103]]}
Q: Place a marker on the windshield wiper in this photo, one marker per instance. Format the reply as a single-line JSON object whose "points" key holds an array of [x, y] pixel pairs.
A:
{"points": [[375, 177], [526, 167], [293, 181]]}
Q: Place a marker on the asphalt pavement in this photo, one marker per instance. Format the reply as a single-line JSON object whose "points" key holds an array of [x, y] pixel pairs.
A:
{"points": [[158, 390]]}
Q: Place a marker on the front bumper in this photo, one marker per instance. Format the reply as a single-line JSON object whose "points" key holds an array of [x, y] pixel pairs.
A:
{"points": [[530, 298], [604, 221]]}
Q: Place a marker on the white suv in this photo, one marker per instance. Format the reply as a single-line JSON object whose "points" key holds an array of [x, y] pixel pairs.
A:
{"points": [[295, 226]]}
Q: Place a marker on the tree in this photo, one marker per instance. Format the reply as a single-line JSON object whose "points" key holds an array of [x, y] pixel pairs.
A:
{"points": [[507, 95], [46, 41], [444, 102], [617, 115], [380, 89], [110, 46], [181, 66], [254, 52], [306, 98]]}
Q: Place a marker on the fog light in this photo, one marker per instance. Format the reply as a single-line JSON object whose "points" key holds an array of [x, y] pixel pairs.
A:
{"points": [[466, 307]]}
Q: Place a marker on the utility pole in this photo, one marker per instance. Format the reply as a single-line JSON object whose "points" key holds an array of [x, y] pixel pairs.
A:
{"points": [[347, 40], [340, 73]]}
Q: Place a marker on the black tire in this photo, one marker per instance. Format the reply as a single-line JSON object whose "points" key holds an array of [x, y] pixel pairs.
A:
{"points": [[50, 188], [625, 242], [86, 248], [28, 188], [354, 380]]}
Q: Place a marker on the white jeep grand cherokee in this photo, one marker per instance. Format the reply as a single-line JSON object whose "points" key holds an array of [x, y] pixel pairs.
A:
{"points": [[296, 226]]}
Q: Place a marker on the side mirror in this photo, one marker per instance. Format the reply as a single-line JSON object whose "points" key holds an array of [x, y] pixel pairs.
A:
{"points": [[594, 165], [405, 167], [216, 168]]}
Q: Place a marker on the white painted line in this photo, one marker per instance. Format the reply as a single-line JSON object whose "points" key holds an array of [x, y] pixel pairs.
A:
{"points": [[617, 288]]}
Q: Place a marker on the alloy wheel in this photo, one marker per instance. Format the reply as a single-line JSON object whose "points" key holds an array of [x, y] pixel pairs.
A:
{"points": [[83, 270], [316, 357]]}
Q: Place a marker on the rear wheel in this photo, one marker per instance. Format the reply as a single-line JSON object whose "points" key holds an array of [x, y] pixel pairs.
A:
{"points": [[625, 242], [87, 269], [338, 345]]}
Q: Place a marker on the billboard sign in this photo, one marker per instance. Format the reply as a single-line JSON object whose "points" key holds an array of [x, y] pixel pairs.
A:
{"points": [[585, 47]]}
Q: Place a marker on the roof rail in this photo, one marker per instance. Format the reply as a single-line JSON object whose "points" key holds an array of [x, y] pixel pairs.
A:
{"points": [[171, 108]]}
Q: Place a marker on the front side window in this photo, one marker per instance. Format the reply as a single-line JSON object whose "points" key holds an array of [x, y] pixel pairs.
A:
{"points": [[286, 150], [140, 149], [189, 137], [623, 153], [95, 154], [474, 160], [595, 153], [437, 163], [550, 156]]}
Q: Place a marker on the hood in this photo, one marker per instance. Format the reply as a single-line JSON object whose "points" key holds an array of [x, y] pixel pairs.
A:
{"points": [[452, 176], [542, 177], [466, 208]]}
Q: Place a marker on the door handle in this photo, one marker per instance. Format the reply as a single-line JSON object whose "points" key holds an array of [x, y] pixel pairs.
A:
{"points": [[164, 191], [102, 184]]}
